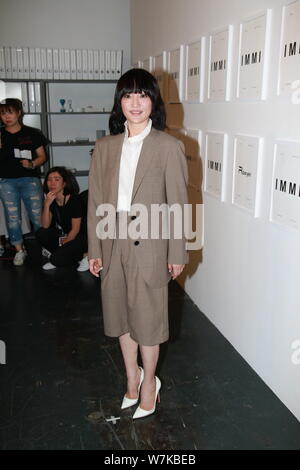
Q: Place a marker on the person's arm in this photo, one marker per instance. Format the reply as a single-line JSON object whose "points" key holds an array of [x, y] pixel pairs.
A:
{"points": [[46, 214], [74, 231], [176, 190], [95, 199], [38, 161]]}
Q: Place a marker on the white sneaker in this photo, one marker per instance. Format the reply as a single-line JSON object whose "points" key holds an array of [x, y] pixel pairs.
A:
{"points": [[2, 250], [84, 264], [48, 266], [19, 258]]}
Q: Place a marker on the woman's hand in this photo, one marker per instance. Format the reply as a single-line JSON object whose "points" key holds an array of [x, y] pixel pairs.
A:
{"points": [[50, 196], [26, 164], [175, 269], [95, 266]]}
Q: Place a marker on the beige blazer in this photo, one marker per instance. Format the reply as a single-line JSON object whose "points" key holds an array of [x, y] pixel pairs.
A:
{"points": [[161, 177]]}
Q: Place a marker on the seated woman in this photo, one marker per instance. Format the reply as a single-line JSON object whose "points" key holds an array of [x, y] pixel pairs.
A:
{"points": [[62, 233]]}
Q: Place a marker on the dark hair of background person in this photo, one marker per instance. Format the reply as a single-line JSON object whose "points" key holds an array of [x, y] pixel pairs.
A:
{"points": [[71, 186], [13, 104], [137, 81]]}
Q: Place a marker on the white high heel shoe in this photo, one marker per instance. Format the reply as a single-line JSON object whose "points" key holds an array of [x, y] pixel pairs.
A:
{"points": [[128, 402], [140, 413]]}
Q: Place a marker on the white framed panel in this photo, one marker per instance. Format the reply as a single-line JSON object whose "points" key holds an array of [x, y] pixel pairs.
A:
{"points": [[246, 186], [193, 148], [219, 70], [159, 68], [215, 164], [285, 201], [195, 71], [175, 75], [147, 64], [254, 57], [289, 66]]}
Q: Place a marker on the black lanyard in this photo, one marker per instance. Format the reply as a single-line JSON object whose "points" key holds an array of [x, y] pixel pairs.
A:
{"points": [[58, 221]]}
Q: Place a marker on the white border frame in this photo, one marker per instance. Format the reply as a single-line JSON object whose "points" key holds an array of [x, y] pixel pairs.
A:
{"points": [[200, 142], [150, 59], [266, 56], [222, 196], [203, 40], [193, 187], [181, 49], [164, 56], [227, 96], [164, 71], [284, 7], [200, 134], [256, 212], [286, 228]]}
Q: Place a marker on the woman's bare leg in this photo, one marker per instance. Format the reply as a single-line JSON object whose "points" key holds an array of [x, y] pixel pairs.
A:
{"points": [[129, 351], [150, 356]]}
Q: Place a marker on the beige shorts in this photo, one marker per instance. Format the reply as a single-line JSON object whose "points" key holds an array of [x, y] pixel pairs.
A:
{"points": [[129, 304]]}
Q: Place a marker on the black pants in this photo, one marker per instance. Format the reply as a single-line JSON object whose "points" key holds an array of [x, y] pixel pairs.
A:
{"points": [[65, 255]]}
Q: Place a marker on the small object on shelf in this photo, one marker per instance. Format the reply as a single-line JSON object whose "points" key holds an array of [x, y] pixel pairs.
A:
{"points": [[107, 109], [70, 109], [82, 140], [62, 102]]}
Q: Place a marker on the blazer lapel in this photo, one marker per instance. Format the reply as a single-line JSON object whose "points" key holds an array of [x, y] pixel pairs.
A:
{"points": [[114, 164], [145, 158]]}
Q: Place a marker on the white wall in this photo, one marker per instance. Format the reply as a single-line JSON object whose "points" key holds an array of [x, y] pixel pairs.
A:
{"points": [[247, 282], [98, 24]]}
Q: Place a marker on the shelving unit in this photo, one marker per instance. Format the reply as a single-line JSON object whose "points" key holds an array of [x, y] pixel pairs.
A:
{"points": [[95, 112], [72, 144], [62, 128]]}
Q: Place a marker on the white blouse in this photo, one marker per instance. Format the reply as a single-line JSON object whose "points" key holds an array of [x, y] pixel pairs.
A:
{"points": [[131, 150]]}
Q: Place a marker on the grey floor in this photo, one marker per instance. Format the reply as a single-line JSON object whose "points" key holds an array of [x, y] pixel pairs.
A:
{"points": [[63, 378]]}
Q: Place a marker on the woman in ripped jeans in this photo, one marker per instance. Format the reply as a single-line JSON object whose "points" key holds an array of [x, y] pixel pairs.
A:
{"points": [[22, 151]]}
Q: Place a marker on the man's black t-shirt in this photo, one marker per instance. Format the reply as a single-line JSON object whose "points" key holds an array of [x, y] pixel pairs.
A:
{"points": [[62, 215], [27, 139]]}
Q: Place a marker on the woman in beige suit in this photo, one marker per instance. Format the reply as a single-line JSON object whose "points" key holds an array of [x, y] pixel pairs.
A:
{"points": [[138, 165]]}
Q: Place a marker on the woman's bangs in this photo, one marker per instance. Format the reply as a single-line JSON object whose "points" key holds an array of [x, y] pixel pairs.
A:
{"points": [[6, 108], [137, 86]]}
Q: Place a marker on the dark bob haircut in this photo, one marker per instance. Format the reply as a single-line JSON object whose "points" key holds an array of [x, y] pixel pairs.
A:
{"points": [[137, 81], [71, 186], [12, 104]]}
